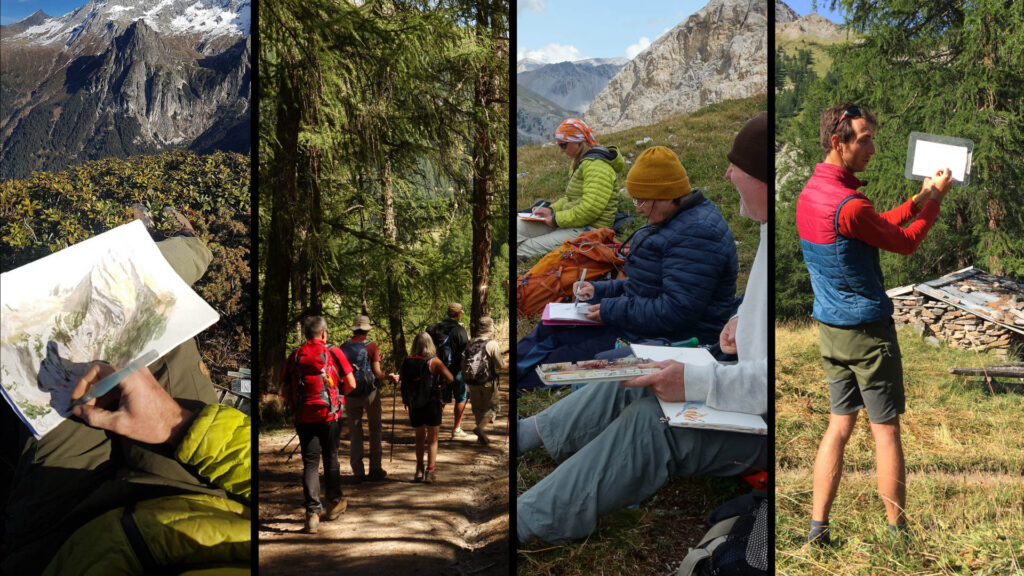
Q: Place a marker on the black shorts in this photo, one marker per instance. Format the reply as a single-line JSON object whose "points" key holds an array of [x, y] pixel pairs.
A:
{"points": [[429, 415]]}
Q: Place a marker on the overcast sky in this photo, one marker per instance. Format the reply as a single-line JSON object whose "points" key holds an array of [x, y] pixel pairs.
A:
{"points": [[560, 30]]}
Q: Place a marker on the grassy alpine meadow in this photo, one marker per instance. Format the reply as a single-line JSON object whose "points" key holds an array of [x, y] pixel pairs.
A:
{"points": [[653, 538], [965, 468]]}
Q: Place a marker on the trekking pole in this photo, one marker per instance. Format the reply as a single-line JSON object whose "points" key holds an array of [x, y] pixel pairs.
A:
{"points": [[294, 450], [285, 447], [394, 403]]}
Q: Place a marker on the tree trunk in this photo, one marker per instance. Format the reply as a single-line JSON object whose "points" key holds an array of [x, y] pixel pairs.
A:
{"points": [[316, 288], [274, 326], [393, 270]]}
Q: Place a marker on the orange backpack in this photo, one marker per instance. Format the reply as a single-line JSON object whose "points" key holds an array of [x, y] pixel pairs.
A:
{"points": [[551, 278]]}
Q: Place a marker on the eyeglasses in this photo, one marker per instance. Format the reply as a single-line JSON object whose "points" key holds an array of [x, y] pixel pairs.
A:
{"points": [[851, 112], [637, 205], [563, 145]]}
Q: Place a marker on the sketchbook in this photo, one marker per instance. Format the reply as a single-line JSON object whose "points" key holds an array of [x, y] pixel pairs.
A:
{"points": [[567, 314], [928, 153], [111, 298], [529, 216], [696, 414]]}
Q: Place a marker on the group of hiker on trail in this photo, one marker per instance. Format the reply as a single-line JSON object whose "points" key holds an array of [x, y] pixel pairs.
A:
{"points": [[443, 365]]}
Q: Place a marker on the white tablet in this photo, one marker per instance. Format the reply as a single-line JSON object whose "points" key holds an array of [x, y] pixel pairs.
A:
{"points": [[928, 153]]}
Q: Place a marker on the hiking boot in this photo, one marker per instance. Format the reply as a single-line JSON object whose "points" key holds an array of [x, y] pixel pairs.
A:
{"points": [[184, 226], [378, 475], [430, 477], [358, 478], [337, 508], [481, 438], [458, 433], [312, 521], [419, 475], [140, 212]]}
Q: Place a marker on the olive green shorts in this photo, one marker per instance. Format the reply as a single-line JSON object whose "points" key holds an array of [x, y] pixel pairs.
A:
{"points": [[864, 369]]}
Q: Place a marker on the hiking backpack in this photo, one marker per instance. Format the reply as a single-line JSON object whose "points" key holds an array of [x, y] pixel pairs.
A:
{"points": [[315, 380], [357, 356], [441, 334], [419, 386], [476, 365], [552, 277], [736, 543]]}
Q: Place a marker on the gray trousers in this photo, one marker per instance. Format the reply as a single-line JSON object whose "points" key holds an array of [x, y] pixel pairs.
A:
{"points": [[537, 238], [354, 408], [76, 472], [485, 400], [615, 452]]}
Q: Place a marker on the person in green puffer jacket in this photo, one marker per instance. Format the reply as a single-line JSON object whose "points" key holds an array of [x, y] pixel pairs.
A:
{"points": [[153, 477], [590, 199]]}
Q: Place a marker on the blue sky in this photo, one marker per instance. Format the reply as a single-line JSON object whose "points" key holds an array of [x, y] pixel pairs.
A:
{"points": [[803, 8], [559, 30], [13, 10]]}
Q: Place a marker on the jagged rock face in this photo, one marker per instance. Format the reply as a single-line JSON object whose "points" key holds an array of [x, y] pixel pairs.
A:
{"points": [[783, 13], [812, 27], [123, 79], [719, 53], [571, 85]]}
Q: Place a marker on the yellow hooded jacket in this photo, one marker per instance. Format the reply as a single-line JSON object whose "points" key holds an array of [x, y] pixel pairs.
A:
{"points": [[181, 534]]}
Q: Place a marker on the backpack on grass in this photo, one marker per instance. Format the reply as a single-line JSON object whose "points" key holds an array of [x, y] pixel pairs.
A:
{"points": [[551, 278], [736, 543], [476, 365]]}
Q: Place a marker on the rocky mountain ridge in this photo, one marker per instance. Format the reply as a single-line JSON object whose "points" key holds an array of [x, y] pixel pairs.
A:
{"points": [[124, 79], [719, 53]]}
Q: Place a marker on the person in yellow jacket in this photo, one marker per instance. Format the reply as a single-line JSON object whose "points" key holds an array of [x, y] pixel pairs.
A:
{"points": [[152, 477], [590, 200]]}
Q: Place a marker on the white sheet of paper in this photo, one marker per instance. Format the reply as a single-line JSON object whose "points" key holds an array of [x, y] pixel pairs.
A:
{"points": [[930, 157], [567, 311], [696, 414], [108, 298]]}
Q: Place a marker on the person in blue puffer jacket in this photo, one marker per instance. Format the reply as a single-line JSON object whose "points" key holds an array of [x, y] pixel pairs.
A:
{"points": [[680, 275]]}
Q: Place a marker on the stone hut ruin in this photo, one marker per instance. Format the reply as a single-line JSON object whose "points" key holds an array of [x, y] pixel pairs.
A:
{"points": [[968, 309]]}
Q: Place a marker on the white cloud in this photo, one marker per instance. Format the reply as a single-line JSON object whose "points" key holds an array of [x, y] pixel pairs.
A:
{"points": [[633, 49], [551, 53], [530, 6]]}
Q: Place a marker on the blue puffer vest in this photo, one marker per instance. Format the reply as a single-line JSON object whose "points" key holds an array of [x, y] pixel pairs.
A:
{"points": [[681, 277], [845, 273]]}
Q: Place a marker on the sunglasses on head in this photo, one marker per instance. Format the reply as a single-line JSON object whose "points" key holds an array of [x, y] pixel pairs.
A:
{"points": [[851, 112]]}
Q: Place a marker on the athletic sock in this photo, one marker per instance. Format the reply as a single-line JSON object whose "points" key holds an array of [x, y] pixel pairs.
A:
{"points": [[819, 534], [527, 435]]}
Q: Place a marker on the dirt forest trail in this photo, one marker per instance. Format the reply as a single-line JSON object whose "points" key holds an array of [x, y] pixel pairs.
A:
{"points": [[458, 525]]}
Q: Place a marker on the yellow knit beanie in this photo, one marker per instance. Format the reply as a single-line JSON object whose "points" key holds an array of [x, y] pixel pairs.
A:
{"points": [[657, 175]]}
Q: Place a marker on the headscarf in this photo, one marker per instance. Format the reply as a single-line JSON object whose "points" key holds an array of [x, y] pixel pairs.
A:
{"points": [[575, 130]]}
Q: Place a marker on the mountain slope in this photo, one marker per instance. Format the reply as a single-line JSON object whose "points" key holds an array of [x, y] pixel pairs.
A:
{"points": [[123, 79], [719, 53], [571, 85], [537, 117]]}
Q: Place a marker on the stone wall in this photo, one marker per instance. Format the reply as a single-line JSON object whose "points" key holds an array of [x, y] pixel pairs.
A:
{"points": [[932, 318]]}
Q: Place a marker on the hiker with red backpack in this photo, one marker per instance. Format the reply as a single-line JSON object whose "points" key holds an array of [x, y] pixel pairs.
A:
{"points": [[314, 379], [422, 376], [480, 369], [364, 356], [450, 340]]}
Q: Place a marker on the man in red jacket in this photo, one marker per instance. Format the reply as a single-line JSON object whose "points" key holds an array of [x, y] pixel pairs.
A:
{"points": [[310, 384], [841, 234]]}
